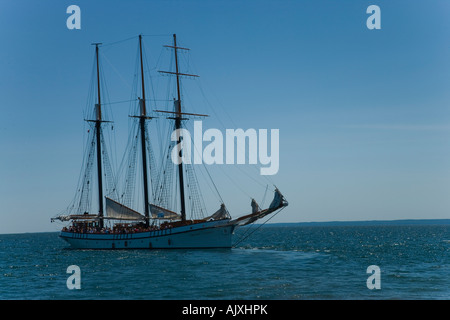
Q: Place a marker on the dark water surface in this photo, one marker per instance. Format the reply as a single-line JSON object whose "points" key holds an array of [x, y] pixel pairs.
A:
{"points": [[276, 262]]}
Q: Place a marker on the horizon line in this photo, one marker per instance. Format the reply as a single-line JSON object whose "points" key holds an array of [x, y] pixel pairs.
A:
{"points": [[415, 221]]}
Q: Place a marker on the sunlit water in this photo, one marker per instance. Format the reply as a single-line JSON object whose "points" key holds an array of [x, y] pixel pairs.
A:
{"points": [[274, 263]]}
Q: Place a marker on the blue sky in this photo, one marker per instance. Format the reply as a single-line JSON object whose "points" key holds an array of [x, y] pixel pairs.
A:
{"points": [[364, 115]]}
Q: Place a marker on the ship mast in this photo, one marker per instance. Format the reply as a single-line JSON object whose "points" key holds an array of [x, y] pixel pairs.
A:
{"points": [[178, 126], [142, 119], [98, 132], [178, 118]]}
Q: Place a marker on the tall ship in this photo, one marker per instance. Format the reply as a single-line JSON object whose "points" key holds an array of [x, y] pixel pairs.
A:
{"points": [[164, 221]]}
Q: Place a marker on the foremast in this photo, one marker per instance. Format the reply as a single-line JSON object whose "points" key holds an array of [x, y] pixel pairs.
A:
{"points": [[98, 133], [142, 117]]}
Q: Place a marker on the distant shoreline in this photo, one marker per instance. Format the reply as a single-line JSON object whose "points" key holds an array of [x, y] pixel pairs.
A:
{"points": [[402, 222], [362, 223]]}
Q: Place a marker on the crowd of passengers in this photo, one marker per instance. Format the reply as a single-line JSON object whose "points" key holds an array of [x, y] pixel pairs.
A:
{"points": [[117, 229]]}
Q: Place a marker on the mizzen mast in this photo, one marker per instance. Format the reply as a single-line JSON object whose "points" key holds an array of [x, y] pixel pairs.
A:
{"points": [[178, 118]]}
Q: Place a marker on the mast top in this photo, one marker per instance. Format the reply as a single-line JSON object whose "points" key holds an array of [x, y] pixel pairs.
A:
{"points": [[176, 61], [175, 44]]}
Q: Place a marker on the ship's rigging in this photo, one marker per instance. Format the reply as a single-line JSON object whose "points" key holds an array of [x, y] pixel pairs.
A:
{"points": [[147, 187]]}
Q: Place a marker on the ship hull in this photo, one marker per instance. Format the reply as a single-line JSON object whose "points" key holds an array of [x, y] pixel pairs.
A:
{"points": [[211, 234]]}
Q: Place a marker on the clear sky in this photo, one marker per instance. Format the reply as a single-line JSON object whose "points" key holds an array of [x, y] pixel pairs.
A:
{"points": [[364, 115]]}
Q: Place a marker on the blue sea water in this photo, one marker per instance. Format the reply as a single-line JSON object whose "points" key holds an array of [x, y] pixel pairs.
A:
{"points": [[274, 263]]}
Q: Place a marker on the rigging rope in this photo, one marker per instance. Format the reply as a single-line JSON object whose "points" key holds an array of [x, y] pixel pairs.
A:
{"points": [[117, 42], [246, 236], [116, 102]]}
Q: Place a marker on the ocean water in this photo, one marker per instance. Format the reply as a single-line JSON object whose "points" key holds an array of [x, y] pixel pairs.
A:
{"points": [[274, 263]]}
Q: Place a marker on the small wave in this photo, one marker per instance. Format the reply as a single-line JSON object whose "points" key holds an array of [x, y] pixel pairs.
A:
{"points": [[285, 254]]}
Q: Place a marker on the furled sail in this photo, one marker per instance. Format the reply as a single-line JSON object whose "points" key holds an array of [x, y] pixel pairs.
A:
{"points": [[277, 203], [69, 217], [255, 206], [162, 213], [116, 210], [222, 213], [277, 200]]}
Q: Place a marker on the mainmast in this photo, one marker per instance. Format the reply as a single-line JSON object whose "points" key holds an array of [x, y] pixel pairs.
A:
{"points": [[98, 133], [142, 118]]}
